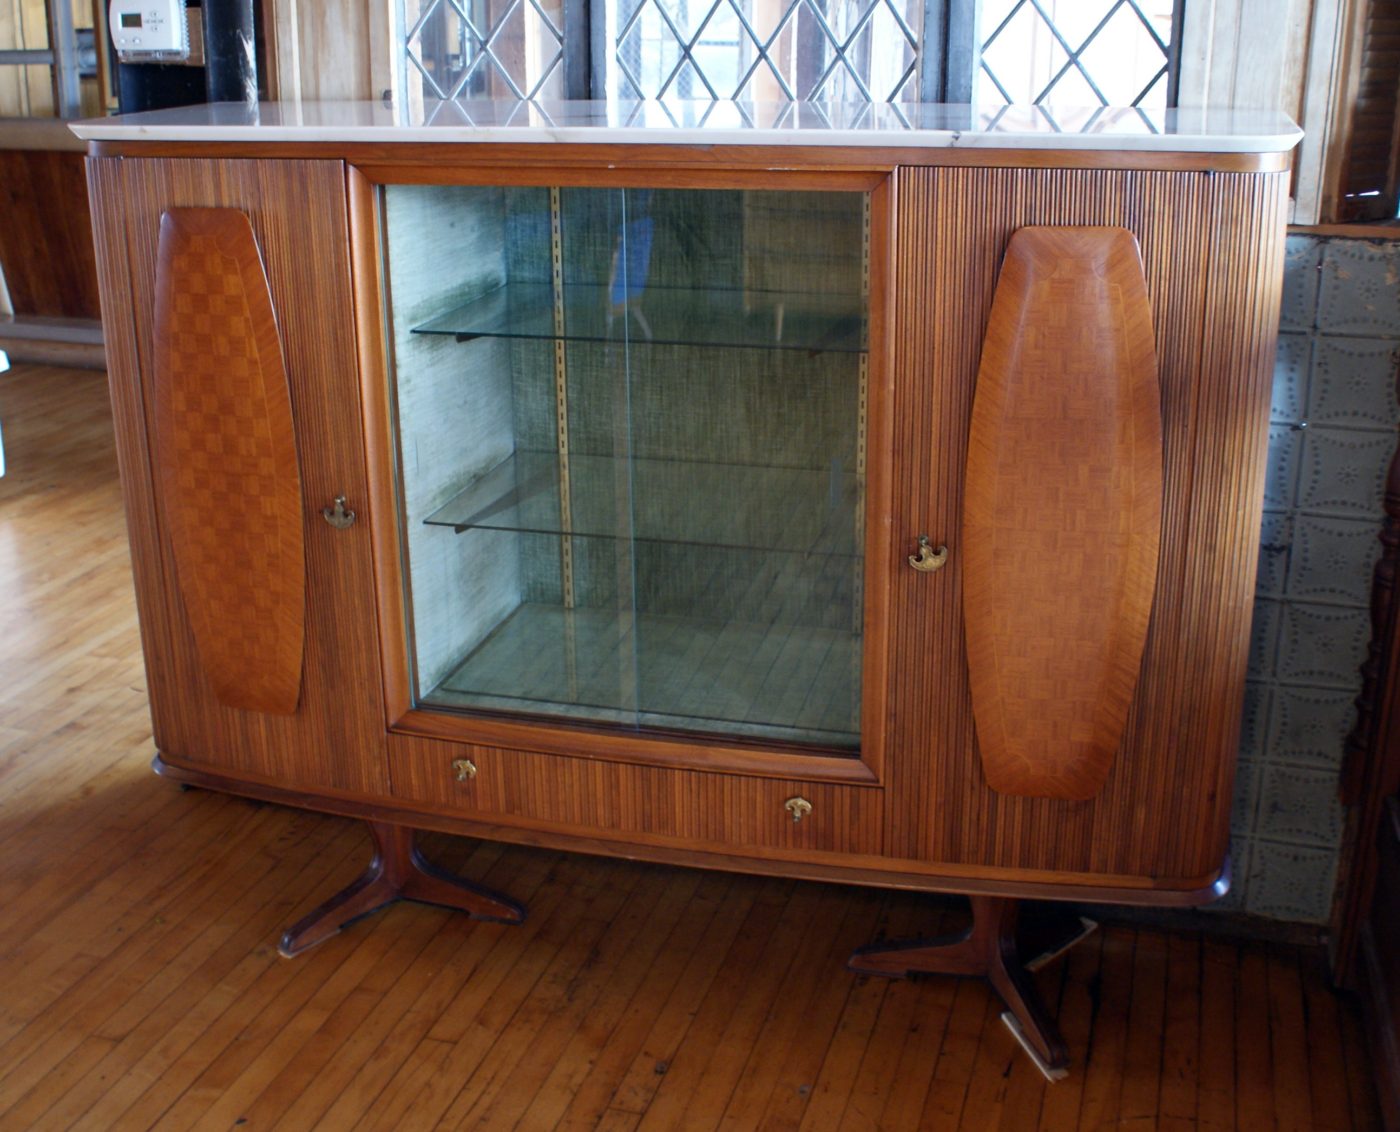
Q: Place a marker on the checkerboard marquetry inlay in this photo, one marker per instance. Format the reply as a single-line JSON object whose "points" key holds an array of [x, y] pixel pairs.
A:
{"points": [[227, 464]]}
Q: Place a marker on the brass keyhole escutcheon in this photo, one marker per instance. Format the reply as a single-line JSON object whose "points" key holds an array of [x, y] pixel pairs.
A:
{"points": [[799, 808], [337, 516], [464, 769], [928, 560]]}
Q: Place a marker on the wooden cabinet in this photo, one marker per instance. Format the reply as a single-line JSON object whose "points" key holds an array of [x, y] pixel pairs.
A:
{"points": [[288, 345], [327, 733]]}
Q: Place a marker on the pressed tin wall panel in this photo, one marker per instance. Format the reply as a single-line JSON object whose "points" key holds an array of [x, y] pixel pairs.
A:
{"points": [[1333, 429]]}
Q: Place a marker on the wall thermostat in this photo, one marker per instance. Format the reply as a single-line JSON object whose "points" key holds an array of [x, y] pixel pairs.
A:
{"points": [[150, 31]]}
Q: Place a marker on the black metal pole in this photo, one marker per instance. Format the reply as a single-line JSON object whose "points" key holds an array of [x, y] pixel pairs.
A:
{"points": [[230, 61]]}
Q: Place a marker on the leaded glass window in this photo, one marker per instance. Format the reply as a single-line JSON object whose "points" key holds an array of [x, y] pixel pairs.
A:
{"points": [[1077, 52], [1055, 53]]}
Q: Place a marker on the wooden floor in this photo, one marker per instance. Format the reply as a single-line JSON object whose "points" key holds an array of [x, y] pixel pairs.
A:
{"points": [[140, 986]]}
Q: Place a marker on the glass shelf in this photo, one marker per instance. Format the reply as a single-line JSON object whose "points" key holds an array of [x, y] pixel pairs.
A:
{"points": [[678, 501], [663, 316], [789, 683]]}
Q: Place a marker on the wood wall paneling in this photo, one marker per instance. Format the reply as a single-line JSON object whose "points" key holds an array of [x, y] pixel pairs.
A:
{"points": [[25, 91], [329, 50], [226, 459], [1164, 809], [335, 740], [46, 239]]}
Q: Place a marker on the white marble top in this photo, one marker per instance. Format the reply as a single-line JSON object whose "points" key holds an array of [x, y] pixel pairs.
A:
{"points": [[913, 125]]}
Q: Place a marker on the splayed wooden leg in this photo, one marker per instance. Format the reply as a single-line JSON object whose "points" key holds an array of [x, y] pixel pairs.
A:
{"points": [[397, 872], [988, 950]]}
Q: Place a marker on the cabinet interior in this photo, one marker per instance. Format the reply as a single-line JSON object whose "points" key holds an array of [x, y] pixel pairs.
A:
{"points": [[631, 454]]}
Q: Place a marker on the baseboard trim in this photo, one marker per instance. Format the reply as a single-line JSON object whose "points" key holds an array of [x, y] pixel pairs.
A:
{"points": [[75, 342]]}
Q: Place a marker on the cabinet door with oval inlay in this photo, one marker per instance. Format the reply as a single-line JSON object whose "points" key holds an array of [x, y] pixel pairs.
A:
{"points": [[1082, 375], [235, 390]]}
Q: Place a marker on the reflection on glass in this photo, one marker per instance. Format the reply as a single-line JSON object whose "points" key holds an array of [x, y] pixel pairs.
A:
{"points": [[632, 466]]}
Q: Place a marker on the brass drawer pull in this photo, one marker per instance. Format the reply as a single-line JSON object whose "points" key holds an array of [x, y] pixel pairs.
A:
{"points": [[799, 808], [464, 769], [338, 516], [928, 560]]}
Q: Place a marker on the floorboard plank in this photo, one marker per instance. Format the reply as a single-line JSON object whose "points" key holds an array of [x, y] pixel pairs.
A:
{"points": [[1288, 1044], [1181, 1036], [1104, 1060], [875, 1074], [658, 1015], [698, 1081], [1254, 1068], [663, 936], [1142, 1056], [1215, 1097], [957, 1058]]}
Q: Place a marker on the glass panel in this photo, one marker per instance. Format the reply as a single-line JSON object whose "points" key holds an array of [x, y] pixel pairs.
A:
{"points": [[483, 49], [1076, 53], [631, 460], [843, 50]]}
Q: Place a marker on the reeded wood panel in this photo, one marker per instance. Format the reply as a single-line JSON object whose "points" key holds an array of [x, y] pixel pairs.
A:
{"points": [[1062, 511], [226, 458], [335, 741], [1211, 248], [659, 805]]}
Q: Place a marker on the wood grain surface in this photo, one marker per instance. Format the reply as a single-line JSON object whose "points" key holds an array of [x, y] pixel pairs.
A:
{"points": [[46, 237], [335, 740], [1062, 510], [227, 459], [1211, 246], [1212, 254]]}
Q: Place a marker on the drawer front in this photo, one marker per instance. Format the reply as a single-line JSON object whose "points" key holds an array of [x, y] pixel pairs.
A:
{"points": [[626, 802]]}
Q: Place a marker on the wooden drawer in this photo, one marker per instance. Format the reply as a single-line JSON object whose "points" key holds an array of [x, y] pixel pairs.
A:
{"points": [[633, 803]]}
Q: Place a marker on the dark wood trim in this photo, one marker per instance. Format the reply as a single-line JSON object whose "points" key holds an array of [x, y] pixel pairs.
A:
{"points": [[1371, 767], [1347, 231], [800, 865], [1365, 928], [451, 159], [1376, 982]]}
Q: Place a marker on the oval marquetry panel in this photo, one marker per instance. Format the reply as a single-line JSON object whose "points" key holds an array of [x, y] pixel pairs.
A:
{"points": [[1062, 510], [226, 459]]}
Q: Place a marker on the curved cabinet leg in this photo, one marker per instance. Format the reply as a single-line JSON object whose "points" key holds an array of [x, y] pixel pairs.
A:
{"points": [[397, 872], [988, 950]]}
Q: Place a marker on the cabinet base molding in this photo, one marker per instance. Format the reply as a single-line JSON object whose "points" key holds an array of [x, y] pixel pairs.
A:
{"points": [[990, 949], [875, 872], [397, 872]]}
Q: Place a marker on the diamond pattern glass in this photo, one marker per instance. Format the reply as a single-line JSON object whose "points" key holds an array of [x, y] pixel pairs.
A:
{"points": [[484, 48], [843, 50], [1076, 52]]}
